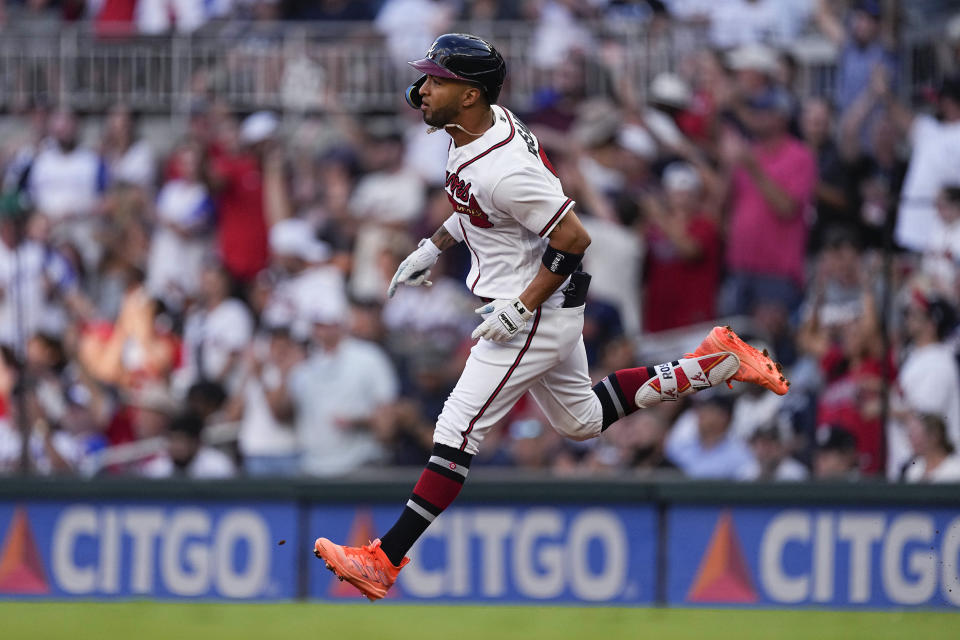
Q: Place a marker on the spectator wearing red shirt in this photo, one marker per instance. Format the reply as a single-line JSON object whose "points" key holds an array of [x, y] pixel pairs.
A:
{"points": [[250, 195], [771, 186], [683, 259]]}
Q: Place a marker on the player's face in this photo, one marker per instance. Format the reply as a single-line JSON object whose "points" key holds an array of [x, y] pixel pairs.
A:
{"points": [[441, 99]]}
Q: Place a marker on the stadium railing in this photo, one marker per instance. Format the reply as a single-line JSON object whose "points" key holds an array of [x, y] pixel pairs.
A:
{"points": [[303, 68]]}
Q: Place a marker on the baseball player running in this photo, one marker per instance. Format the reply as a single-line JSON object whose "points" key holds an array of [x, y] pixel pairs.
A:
{"points": [[526, 244]]}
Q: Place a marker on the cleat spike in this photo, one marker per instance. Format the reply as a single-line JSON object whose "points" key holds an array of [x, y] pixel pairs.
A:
{"points": [[779, 366], [766, 353], [769, 367]]}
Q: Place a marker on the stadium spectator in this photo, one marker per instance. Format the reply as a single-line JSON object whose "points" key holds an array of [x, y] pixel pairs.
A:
{"points": [[329, 10], [154, 17], [935, 458], [140, 347], [409, 26], [929, 377], [129, 160], [684, 253], [862, 46], [186, 456], [771, 185], [835, 455], [832, 202], [386, 198], [38, 286], [876, 171], [770, 448], [639, 443], [300, 273], [66, 184], [704, 446], [267, 438], [250, 194], [941, 262], [333, 394], [934, 164], [216, 332], [180, 240]]}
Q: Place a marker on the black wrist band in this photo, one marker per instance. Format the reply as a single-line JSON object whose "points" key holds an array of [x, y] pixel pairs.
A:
{"points": [[561, 262]]}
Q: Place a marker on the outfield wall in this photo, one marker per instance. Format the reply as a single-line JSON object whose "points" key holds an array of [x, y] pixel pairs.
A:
{"points": [[521, 540]]}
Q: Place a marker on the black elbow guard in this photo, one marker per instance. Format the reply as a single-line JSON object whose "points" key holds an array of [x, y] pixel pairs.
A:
{"points": [[561, 262]]}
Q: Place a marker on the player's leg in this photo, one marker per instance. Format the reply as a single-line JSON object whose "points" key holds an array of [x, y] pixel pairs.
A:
{"points": [[495, 376], [721, 357], [493, 379], [579, 412]]}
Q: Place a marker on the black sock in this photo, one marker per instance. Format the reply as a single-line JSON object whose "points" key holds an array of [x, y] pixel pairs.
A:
{"points": [[438, 486]]}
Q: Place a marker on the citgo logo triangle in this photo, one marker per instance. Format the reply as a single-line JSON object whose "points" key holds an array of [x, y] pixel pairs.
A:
{"points": [[361, 533], [723, 575], [21, 570]]}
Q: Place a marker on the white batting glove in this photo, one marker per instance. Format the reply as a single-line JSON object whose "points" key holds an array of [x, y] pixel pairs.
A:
{"points": [[415, 268], [508, 319]]}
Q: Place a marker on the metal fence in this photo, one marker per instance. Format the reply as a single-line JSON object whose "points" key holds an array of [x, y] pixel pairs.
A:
{"points": [[299, 67], [292, 66]]}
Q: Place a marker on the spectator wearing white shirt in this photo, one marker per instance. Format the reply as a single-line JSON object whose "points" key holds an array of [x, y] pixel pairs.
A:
{"points": [[181, 238], [390, 197], [335, 392], [941, 261], [936, 459], [37, 283], [299, 261], [268, 440], [929, 378], [130, 161], [934, 164], [186, 455], [216, 332], [409, 26], [66, 183]]}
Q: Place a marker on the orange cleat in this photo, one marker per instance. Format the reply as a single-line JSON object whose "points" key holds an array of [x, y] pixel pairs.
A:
{"points": [[755, 367], [367, 568]]}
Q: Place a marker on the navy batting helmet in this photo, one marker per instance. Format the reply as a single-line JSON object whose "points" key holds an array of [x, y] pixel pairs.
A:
{"points": [[462, 57]]}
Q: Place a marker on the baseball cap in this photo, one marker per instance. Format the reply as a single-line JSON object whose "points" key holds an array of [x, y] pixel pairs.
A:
{"points": [[637, 141], [680, 176], [297, 237], [671, 90], [258, 126], [327, 310], [753, 57]]}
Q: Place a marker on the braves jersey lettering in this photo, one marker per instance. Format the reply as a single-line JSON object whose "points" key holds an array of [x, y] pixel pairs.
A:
{"points": [[458, 193], [504, 187]]}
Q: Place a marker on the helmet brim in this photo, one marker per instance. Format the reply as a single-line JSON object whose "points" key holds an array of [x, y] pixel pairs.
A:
{"points": [[428, 67]]}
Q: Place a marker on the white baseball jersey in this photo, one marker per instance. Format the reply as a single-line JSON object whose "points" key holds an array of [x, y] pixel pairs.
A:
{"points": [[506, 200]]}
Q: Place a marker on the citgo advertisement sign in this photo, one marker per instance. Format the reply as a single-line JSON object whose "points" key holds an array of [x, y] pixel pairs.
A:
{"points": [[838, 557], [508, 554], [164, 550]]}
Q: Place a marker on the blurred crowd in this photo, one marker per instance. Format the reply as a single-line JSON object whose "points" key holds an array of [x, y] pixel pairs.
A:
{"points": [[212, 302]]}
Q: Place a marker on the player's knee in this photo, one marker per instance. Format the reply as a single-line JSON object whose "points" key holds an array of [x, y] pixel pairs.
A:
{"points": [[577, 430]]}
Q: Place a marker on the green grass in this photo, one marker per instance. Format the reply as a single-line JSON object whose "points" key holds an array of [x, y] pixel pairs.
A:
{"points": [[208, 621]]}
